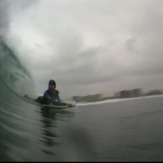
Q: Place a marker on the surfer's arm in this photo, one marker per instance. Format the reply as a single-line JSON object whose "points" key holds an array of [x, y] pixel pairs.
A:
{"points": [[58, 97], [47, 97], [63, 103]]}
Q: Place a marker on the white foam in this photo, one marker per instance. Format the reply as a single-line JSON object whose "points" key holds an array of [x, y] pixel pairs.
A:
{"points": [[116, 100]]}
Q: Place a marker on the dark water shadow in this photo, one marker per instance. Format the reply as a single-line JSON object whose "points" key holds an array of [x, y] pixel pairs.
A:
{"points": [[50, 120]]}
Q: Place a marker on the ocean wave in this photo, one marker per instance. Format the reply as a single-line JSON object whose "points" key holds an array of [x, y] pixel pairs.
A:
{"points": [[14, 77]]}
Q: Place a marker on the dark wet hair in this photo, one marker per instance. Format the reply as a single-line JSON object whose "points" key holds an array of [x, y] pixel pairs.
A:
{"points": [[52, 82]]}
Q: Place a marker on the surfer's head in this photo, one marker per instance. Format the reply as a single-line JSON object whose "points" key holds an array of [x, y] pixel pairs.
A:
{"points": [[52, 84]]}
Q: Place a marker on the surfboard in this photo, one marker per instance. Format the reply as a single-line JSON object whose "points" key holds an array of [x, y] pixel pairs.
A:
{"points": [[57, 106]]}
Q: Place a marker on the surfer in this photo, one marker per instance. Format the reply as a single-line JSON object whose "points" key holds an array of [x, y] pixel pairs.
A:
{"points": [[51, 96]]}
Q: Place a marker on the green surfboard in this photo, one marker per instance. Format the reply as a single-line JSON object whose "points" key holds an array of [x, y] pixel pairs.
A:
{"points": [[57, 106]]}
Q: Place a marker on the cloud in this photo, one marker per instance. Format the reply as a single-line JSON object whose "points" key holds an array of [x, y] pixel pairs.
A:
{"points": [[89, 45]]}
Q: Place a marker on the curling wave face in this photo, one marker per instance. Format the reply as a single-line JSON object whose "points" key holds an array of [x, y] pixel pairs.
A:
{"points": [[14, 78]]}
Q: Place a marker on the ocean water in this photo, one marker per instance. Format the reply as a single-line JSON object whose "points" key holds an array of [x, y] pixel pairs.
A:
{"points": [[113, 130], [116, 131]]}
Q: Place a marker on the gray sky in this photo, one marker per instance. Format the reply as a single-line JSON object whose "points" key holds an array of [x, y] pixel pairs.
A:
{"points": [[89, 46]]}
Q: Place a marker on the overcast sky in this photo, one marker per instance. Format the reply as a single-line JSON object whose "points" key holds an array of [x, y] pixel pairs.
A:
{"points": [[89, 46]]}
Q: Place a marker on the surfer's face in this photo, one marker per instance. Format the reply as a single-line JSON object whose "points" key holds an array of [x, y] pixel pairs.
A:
{"points": [[52, 87]]}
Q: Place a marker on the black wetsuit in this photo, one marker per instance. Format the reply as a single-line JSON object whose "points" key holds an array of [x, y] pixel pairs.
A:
{"points": [[51, 97]]}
